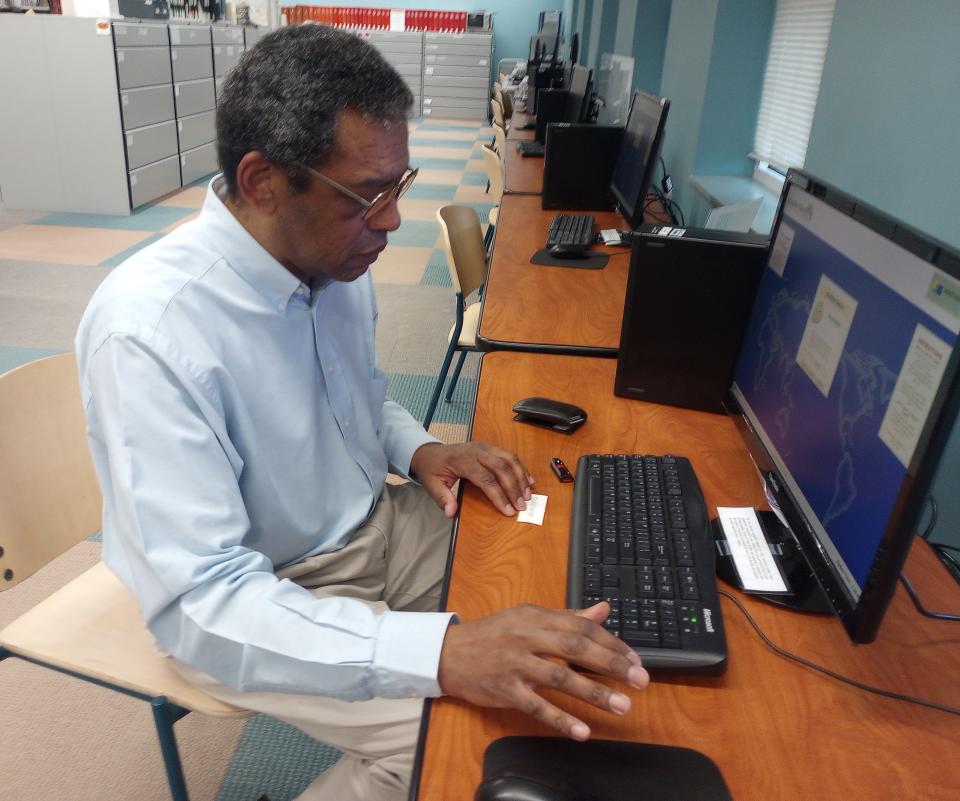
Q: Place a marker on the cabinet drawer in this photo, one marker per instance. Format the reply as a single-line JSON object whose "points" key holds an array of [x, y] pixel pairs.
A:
{"points": [[473, 39], [458, 60], [196, 163], [225, 58], [150, 143], [453, 113], [146, 106], [478, 94], [142, 66], [227, 34], [153, 181], [472, 51], [126, 34], [190, 35], [197, 130], [479, 82], [442, 70], [192, 97], [191, 63]]}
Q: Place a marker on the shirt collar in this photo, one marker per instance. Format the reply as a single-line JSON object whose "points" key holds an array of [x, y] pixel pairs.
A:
{"points": [[248, 258]]}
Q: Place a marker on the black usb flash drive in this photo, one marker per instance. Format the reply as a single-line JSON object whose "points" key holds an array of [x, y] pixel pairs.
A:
{"points": [[560, 470]]}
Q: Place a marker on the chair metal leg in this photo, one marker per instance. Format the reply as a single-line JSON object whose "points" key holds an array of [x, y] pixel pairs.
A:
{"points": [[441, 378], [488, 238], [165, 715], [456, 374]]}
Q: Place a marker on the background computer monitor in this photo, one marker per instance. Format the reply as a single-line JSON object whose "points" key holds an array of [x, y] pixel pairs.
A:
{"points": [[639, 153], [579, 92], [614, 80], [848, 383]]}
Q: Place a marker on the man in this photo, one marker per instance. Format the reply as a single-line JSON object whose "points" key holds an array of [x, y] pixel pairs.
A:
{"points": [[242, 436]]}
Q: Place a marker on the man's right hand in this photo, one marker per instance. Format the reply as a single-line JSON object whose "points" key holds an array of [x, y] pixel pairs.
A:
{"points": [[501, 661]]}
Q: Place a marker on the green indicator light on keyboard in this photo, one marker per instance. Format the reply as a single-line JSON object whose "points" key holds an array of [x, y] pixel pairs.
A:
{"points": [[693, 620]]}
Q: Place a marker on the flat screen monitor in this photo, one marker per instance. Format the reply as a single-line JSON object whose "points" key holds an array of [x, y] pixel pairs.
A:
{"points": [[579, 93], [639, 153], [847, 383]]}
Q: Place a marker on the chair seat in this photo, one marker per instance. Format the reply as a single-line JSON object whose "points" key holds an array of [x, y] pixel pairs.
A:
{"points": [[492, 216], [471, 322], [92, 626]]}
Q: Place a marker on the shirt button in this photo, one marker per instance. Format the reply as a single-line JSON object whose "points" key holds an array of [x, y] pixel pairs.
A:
{"points": [[346, 424], [279, 307], [301, 290], [333, 369]]}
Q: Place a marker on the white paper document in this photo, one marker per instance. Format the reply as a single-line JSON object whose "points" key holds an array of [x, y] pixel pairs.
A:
{"points": [[748, 546], [825, 334], [536, 506]]}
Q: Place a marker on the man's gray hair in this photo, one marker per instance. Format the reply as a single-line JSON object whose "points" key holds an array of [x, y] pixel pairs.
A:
{"points": [[284, 95]]}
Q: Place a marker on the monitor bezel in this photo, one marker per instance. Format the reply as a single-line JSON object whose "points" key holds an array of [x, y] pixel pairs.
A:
{"points": [[862, 617], [632, 210]]}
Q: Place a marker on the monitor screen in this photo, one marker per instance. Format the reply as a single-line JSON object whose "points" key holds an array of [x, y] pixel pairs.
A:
{"points": [[848, 382], [639, 153], [614, 79], [579, 91]]}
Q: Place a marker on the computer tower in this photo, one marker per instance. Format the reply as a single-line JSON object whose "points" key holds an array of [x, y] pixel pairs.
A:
{"points": [[578, 165], [551, 103], [689, 296]]}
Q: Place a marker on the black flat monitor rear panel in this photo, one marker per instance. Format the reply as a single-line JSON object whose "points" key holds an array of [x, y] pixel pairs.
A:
{"points": [[550, 106], [578, 164], [689, 296], [639, 154], [578, 95]]}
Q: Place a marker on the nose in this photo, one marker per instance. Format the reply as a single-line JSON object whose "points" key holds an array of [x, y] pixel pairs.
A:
{"points": [[386, 218]]}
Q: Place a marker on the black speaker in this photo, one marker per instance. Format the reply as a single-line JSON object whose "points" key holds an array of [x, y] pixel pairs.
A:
{"points": [[578, 165], [689, 296]]}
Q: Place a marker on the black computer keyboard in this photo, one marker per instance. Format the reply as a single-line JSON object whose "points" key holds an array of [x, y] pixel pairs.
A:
{"points": [[640, 539], [575, 230], [531, 148]]}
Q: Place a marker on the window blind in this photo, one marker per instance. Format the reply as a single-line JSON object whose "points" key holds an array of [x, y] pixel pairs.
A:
{"points": [[791, 83]]}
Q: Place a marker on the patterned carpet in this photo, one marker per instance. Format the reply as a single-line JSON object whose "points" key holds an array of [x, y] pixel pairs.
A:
{"points": [[72, 740]]}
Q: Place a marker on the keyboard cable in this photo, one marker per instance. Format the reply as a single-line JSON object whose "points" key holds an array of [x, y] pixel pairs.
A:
{"points": [[832, 674]]}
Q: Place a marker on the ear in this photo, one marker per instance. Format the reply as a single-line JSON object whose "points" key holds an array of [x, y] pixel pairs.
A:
{"points": [[257, 182]]}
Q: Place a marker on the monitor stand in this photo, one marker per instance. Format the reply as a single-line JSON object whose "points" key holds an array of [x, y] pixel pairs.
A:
{"points": [[805, 593]]}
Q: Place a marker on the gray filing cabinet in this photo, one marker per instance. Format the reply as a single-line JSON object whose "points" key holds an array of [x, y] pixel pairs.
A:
{"points": [[144, 83], [193, 75], [404, 51], [456, 74], [253, 34]]}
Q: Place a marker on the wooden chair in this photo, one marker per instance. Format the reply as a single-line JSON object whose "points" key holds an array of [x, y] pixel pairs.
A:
{"points": [[493, 162], [503, 98], [497, 110], [49, 501], [467, 262], [500, 140]]}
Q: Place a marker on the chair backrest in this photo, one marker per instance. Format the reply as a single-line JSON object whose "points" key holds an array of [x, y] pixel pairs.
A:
{"points": [[463, 243], [494, 164], [500, 137], [497, 110], [49, 496], [497, 89], [506, 100]]}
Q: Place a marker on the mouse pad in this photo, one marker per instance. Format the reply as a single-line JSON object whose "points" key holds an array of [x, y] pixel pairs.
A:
{"points": [[558, 769], [593, 262]]}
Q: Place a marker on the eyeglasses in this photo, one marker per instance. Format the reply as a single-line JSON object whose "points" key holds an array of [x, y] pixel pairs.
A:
{"points": [[380, 202]]}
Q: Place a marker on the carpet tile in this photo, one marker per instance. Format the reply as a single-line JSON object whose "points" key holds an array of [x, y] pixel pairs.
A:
{"points": [[413, 393], [149, 218]]}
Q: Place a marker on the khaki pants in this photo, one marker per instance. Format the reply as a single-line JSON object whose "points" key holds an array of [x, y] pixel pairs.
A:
{"points": [[396, 560]]}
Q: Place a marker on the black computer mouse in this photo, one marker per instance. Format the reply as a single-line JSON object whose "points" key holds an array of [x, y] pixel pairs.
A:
{"points": [[518, 788], [568, 252]]}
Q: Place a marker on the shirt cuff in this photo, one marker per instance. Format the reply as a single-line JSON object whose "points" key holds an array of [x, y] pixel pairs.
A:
{"points": [[401, 447], [407, 657]]}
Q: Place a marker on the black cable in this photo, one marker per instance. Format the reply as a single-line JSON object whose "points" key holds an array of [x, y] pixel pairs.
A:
{"points": [[934, 514], [833, 675], [920, 607], [940, 548]]}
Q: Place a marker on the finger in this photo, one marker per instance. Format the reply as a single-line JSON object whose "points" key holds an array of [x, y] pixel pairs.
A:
{"points": [[528, 702], [597, 614], [487, 481], [584, 643], [442, 495], [509, 475], [559, 676]]}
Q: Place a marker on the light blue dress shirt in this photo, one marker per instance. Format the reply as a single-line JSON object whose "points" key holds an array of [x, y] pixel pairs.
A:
{"points": [[239, 423]]}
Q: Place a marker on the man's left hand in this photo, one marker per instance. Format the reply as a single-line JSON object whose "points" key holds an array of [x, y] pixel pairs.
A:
{"points": [[499, 473]]}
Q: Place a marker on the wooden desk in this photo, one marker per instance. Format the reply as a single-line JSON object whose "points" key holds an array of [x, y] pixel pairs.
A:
{"points": [[523, 175], [778, 731], [551, 309], [515, 133]]}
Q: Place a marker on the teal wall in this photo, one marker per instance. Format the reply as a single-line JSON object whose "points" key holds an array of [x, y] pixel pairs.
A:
{"points": [[887, 128], [649, 43], [713, 74], [514, 21], [741, 40], [686, 67]]}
